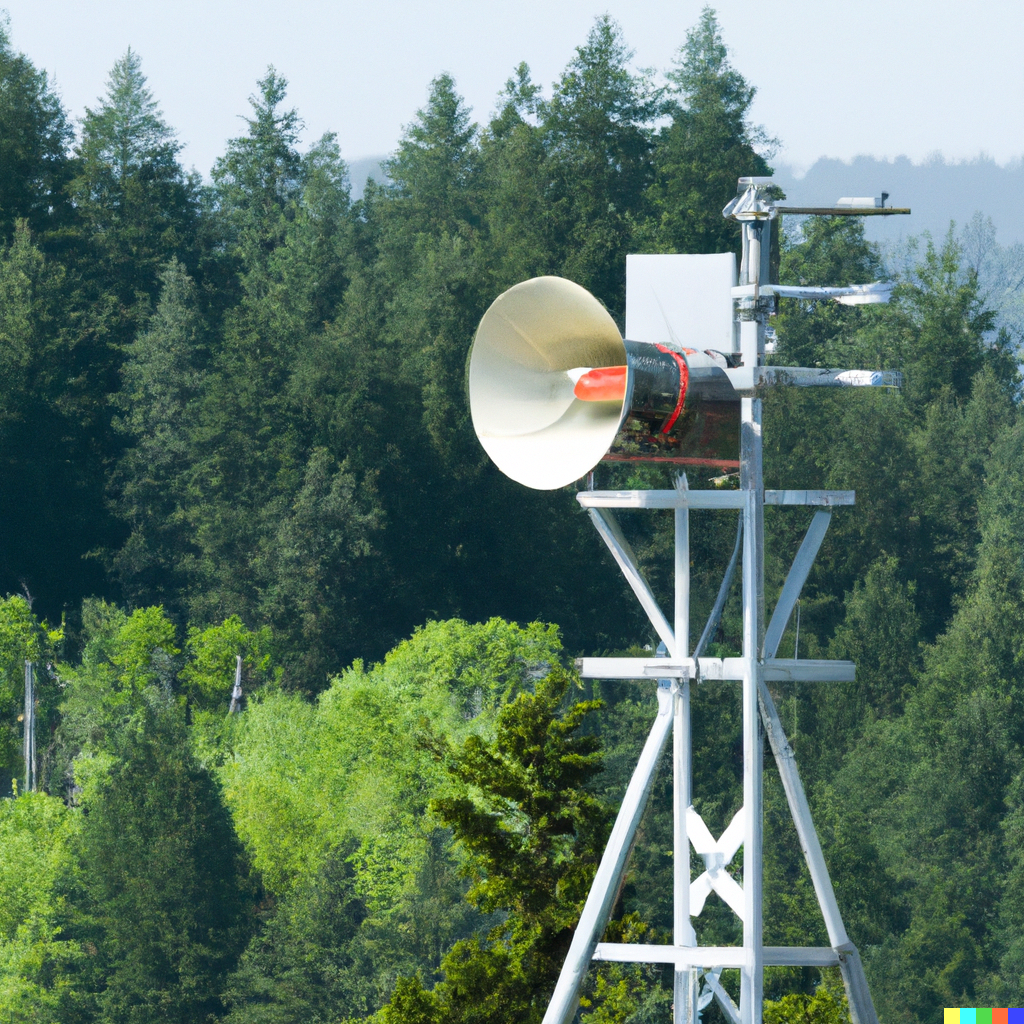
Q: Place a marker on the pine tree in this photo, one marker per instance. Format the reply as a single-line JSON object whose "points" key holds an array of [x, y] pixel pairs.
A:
{"points": [[138, 205], [53, 437], [162, 890], [433, 171], [34, 138], [533, 834], [162, 381], [259, 179], [709, 143], [597, 131]]}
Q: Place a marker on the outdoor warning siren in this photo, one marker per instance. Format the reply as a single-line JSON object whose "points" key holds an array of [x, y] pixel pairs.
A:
{"points": [[554, 389]]}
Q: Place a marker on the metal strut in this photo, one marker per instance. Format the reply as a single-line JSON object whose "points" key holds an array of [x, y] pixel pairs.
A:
{"points": [[673, 668]]}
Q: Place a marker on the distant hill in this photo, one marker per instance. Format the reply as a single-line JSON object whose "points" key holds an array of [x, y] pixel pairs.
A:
{"points": [[936, 191], [360, 170]]}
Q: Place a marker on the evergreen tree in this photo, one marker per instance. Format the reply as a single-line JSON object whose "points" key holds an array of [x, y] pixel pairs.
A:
{"points": [[597, 131], [138, 206], [34, 138], [163, 896], [709, 143], [521, 241], [432, 173], [533, 836], [259, 178], [162, 380], [53, 437]]}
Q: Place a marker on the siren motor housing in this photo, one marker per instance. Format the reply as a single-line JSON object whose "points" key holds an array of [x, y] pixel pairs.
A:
{"points": [[554, 389]]}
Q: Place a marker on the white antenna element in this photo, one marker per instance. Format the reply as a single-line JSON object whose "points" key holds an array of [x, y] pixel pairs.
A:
{"points": [[682, 299]]}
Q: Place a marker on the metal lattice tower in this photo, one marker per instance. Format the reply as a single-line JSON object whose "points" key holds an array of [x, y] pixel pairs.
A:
{"points": [[698, 968]]}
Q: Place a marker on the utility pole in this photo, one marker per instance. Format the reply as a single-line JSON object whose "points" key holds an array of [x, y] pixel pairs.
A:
{"points": [[236, 694], [30, 729]]}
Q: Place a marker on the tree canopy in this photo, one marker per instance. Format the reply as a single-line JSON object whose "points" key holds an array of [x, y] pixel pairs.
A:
{"points": [[234, 438]]}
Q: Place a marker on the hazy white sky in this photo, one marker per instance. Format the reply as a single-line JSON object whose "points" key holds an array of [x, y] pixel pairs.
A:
{"points": [[879, 77]]}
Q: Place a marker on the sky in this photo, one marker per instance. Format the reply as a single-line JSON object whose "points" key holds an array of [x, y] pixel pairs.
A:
{"points": [[883, 77]]}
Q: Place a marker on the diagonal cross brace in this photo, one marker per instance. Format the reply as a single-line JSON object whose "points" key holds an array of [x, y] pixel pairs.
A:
{"points": [[795, 581], [713, 986], [608, 527], [862, 1009], [859, 997], [717, 855]]}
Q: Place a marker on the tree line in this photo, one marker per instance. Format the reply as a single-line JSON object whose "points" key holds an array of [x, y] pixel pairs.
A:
{"points": [[234, 423]]}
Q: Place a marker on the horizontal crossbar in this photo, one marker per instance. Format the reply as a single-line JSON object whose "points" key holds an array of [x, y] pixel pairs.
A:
{"points": [[708, 499], [715, 956], [776, 670]]}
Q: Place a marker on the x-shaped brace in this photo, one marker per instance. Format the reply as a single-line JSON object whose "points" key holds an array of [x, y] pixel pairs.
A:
{"points": [[717, 855], [713, 989]]}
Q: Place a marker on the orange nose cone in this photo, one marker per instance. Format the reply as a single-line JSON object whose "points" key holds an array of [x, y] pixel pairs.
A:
{"points": [[602, 384]]}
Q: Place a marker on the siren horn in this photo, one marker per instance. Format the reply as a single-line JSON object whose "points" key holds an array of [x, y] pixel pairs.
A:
{"points": [[554, 389]]}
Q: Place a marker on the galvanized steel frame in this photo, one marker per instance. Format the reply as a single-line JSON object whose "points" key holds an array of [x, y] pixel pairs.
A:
{"points": [[675, 669]]}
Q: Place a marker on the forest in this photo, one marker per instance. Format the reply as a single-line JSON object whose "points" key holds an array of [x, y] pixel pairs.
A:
{"points": [[233, 424]]}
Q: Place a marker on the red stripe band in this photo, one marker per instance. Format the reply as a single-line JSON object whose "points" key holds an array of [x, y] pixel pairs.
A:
{"points": [[678, 460], [684, 380]]}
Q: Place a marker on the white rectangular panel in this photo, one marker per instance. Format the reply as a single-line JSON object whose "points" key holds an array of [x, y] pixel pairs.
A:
{"points": [[681, 298]]}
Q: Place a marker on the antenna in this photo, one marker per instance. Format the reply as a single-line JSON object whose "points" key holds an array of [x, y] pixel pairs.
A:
{"points": [[554, 390]]}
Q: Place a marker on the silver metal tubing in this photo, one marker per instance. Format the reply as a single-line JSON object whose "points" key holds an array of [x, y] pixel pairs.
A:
{"points": [[795, 581], [752, 972], [685, 977], [611, 534], [862, 1009], [598, 907], [716, 956], [776, 670], [677, 498]]}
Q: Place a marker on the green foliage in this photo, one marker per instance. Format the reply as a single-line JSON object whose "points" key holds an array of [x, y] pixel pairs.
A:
{"points": [[304, 777], [534, 773], [209, 675], [707, 145], [533, 835], [259, 176], [334, 799], [824, 1006], [161, 881], [128, 662], [37, 833], [136, 206], [597, 132], [308, 962], [24, 638], [53, 480], [34, 136], [242, 407]]}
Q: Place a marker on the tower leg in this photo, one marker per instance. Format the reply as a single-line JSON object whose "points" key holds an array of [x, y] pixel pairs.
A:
{"points": [[685, 979], [862, 1009], [751, 482], [598, 907]]}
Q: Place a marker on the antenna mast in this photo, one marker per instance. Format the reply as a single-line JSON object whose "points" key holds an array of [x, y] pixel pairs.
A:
{"points": [[698, 968]]}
